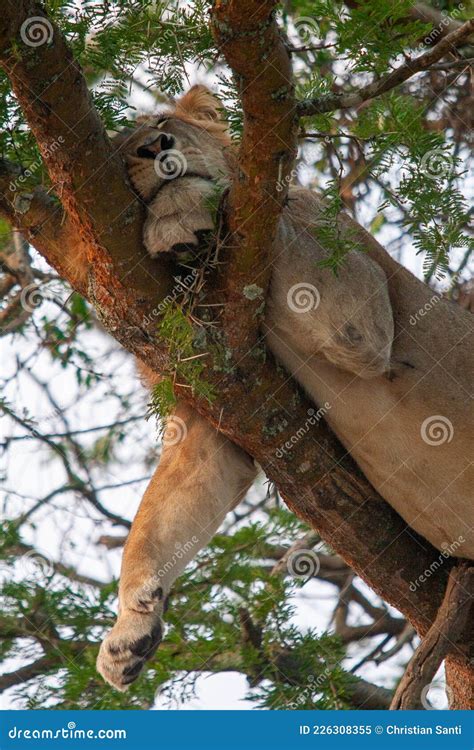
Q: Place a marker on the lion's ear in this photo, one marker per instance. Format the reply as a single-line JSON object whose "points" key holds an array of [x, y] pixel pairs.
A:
{"points": [[199, 104]]}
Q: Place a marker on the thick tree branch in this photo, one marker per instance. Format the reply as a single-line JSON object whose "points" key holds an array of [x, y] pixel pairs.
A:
{"points": [[53, 94], [247, 33], [444, 636], [367, 696], [331, 102], [44, 632], [41, 219]]}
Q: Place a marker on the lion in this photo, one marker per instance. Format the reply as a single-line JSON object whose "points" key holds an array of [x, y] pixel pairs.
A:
{"points": [[396, 391]]}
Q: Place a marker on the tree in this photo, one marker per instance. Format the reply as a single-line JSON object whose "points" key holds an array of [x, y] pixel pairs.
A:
{"points": [[61, 113]]}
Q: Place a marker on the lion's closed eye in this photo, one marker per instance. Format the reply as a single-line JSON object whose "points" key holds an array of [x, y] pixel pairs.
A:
{"points": [[144, 153]]}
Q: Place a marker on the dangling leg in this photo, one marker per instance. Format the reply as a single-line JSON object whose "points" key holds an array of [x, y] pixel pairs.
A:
{"points": [[200, 478]]}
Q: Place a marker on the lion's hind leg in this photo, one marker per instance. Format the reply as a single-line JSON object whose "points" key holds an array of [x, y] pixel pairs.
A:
{"points": [[347, 318]]}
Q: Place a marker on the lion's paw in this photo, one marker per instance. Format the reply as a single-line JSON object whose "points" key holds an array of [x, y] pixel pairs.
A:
{"points": [[131, 642], [145, 598], [174, 232]]}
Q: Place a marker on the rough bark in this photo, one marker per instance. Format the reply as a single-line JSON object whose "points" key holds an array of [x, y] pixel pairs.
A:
{"points": [[42, 221], [257, 406], [460, 680], [52, 91], [247, 35], [444, 637]]}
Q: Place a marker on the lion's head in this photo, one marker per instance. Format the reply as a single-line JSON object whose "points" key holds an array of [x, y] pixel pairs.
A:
{"points": [[187, 138]]}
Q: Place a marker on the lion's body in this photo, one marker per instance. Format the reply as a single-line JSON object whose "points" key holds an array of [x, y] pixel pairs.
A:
{"points": [[390, 385], [409, 428]]}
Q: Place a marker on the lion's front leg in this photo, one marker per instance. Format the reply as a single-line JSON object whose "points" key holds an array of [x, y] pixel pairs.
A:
{"points": [[200, 478], [179, 215]]}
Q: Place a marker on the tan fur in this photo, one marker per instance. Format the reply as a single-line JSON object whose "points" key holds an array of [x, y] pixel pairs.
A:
{"points": [[171, 526], [357, 350], [201, 108]]}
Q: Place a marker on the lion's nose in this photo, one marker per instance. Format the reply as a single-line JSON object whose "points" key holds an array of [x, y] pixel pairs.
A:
{"points": [[163, 142], [166, 142]]}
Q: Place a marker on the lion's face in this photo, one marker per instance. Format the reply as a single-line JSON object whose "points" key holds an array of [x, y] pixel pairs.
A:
{"points": [[188, 141]]}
